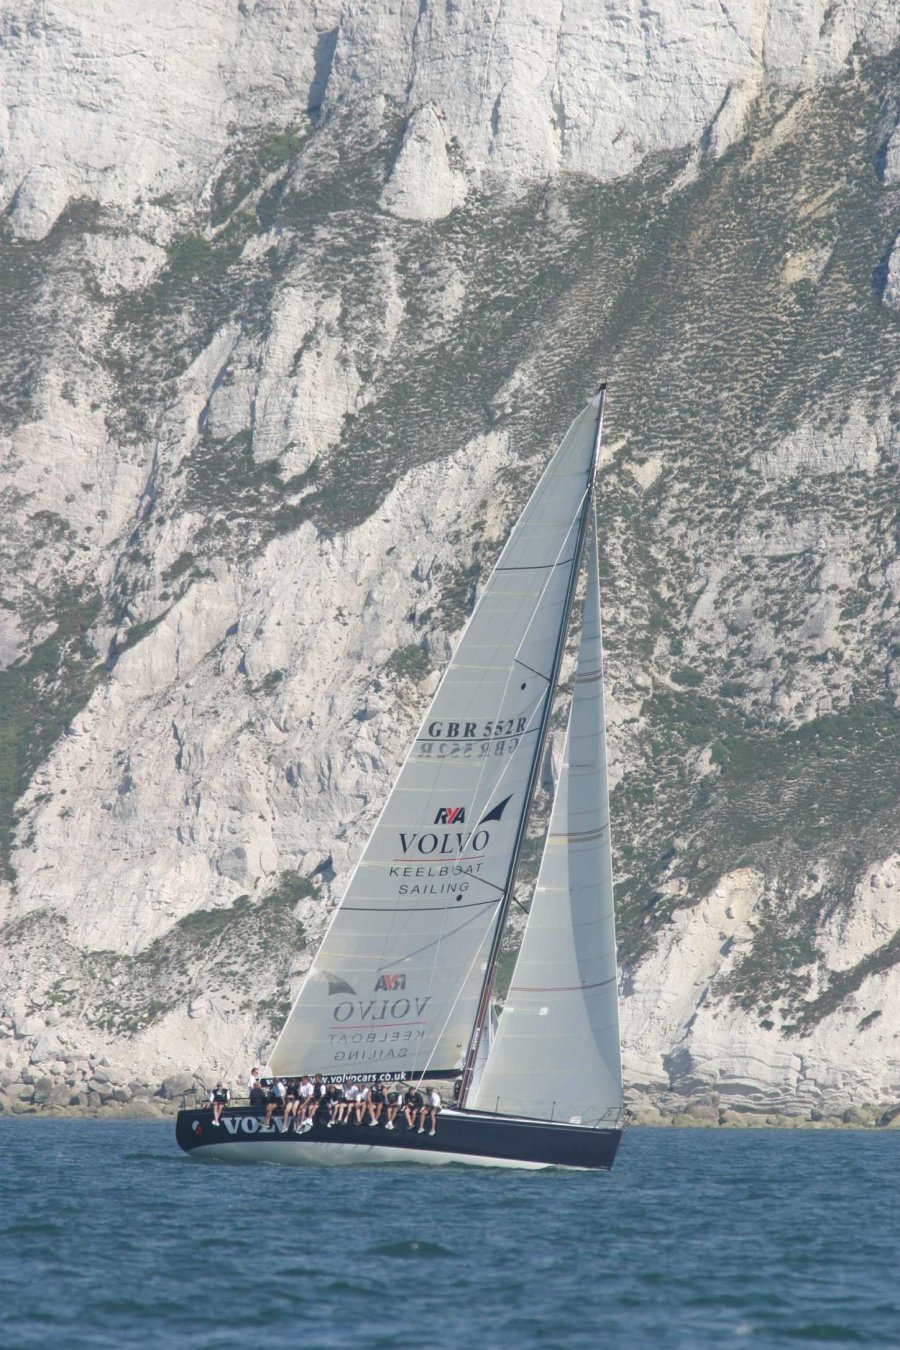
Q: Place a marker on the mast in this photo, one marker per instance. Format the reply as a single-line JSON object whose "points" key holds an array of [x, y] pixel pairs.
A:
{"points": [[484, 1004]]}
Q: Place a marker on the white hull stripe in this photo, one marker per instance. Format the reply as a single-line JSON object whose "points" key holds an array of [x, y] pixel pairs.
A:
{"points": [[321, 1154]]}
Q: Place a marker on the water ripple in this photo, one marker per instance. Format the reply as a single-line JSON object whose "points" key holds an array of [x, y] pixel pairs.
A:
{"points": [[698, 1240]]}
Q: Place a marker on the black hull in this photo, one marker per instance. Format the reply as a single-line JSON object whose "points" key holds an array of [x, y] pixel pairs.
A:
{"points": [[462, 1136]]}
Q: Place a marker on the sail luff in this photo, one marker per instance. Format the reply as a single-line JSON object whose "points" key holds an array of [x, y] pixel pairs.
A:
{"points": [[587, 514]]}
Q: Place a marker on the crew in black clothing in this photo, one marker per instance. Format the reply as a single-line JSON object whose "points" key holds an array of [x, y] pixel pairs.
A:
{"points": [[275, 1098], [219, 1097], [413, 1103], [291, 1100], [318, 1102], [339, 1105], [313, 1101]]}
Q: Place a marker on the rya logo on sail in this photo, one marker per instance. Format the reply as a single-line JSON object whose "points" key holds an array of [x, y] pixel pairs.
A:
{"points": [[450, 815], [390, 982]]}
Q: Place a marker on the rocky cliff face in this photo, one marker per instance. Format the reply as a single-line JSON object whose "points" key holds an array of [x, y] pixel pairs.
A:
{"points": [[297, 298]]}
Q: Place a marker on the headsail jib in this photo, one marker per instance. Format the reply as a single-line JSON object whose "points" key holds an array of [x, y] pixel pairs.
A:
{"points": [[556, 1055], [398, 979]]}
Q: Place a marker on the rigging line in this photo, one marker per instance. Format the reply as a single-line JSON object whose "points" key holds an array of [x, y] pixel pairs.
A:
{"points": [[446, 1021], [540, 674], [428, 945]]}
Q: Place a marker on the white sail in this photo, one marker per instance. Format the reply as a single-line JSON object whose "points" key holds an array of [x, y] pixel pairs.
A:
{"points": [[483, 1049], [396, 982], [555, 1054]]}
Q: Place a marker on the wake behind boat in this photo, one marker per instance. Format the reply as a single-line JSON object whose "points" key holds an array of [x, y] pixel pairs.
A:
{"points": [[402, 986]]}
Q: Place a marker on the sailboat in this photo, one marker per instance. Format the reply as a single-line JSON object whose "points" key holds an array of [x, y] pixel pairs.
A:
{"points": [[402, 988]]}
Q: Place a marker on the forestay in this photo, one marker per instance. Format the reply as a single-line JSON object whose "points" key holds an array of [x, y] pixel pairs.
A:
{"points": [[396, 982], [555, 1054]]}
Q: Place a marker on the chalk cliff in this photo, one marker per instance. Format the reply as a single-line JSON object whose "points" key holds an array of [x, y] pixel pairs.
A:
{"points": [[297, 298]]}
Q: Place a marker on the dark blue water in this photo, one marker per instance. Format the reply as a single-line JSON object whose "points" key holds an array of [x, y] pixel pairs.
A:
{"points": [[700, 1238]]}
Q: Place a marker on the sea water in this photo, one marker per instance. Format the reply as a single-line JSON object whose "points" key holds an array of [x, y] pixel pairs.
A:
{"points": [[109, 1236]]}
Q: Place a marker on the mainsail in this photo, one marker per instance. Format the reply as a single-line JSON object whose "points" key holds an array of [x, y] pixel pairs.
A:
{"points": [[396, 983], [555, 1054]]}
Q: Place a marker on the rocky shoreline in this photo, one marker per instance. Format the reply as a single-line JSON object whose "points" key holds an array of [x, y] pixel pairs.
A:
{"points": [[51, 1067], [140, 1101], [864, 1118], [95, 1089]]}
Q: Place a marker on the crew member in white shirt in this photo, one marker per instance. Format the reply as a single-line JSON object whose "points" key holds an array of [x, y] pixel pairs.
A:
{"points": [[351, 1096], [344, 1104], [362, 1102], [431, 1109], [304, 1099]]}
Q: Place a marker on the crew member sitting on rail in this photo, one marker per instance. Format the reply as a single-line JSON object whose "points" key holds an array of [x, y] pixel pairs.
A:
{"points": [[362, 1102], [219, 1097], [319, 1099], [291, 1103], [258, 1096], [431, 1110], [376, 1103], [392, 1106], [276, 1098], [351, 1093], [340, 1105], [305, 1102], [412, 1105]]}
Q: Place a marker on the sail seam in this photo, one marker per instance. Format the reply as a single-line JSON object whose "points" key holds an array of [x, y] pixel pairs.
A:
{"points": [[476, 740], [580, 836], [535, 567], [558, 988], [414, 909]]}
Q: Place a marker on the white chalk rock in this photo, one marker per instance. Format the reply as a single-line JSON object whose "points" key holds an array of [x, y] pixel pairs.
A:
{"points": [[869, 921], [891, 294], [890, 167], [422, 184], [122, 262]]}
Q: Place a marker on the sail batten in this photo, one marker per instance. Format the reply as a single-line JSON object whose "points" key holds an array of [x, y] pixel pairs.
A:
{"points": [[409, 978]]}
